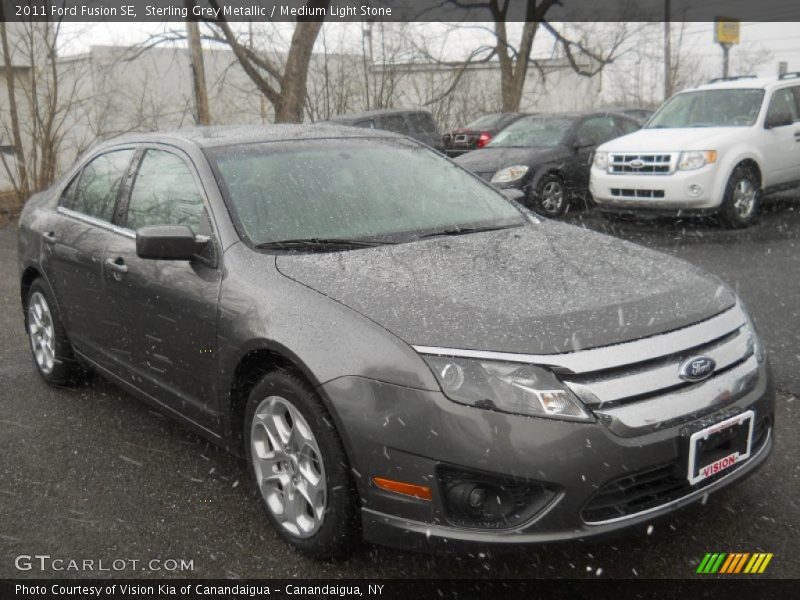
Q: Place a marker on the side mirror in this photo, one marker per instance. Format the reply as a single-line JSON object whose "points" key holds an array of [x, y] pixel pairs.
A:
{"points": [[168, 242], [778, 120]]}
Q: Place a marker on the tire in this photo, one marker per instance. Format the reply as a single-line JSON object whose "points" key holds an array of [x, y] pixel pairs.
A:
{"points": [[550, 198], [300, 470], [742, 199], [50, 347]]}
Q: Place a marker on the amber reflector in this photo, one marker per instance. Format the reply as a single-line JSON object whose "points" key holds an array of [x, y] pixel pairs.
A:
{"points": [[407, 489]]}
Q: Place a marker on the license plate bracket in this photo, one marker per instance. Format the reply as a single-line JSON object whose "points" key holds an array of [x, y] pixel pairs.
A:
{"points": [[720, 446]]}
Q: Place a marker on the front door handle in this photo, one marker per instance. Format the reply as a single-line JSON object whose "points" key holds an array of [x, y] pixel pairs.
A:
{"points": [[117, 265], [49, 237]]}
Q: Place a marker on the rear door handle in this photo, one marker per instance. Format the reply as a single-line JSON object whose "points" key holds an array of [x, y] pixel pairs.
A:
{"points": [[49, 237], [117, 265]]}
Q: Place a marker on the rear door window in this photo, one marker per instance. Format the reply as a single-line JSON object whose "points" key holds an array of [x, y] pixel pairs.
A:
{"points": [[165, 193], [96, 191], [368, 124]]}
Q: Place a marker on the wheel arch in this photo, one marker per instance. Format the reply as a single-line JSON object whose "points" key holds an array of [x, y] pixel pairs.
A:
{"points": [[259, 358]]}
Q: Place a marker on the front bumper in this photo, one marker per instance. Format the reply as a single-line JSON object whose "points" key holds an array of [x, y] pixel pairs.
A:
{"points": [[409, 435], [658, 193]]}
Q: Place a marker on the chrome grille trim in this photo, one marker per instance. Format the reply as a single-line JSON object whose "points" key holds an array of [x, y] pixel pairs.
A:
{"points": [[660, 375], [619, 355], [651, 163]]}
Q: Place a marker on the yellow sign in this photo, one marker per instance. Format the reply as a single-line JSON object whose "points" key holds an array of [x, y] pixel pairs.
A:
{"points": [[726, 31]]}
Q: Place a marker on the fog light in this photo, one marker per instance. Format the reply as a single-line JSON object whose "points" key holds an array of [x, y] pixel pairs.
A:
{"points": [[694, 190], [490, 501], [477, 497]]}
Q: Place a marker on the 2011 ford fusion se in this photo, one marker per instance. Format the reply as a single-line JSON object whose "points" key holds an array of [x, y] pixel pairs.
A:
{"points": [[399, 351]]}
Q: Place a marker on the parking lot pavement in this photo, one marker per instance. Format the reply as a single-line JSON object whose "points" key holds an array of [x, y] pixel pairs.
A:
{"points": [[93, 473]]}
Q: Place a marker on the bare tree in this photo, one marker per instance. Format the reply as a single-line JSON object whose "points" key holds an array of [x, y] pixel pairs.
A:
{"points": [[20, 178], [284, 85]]}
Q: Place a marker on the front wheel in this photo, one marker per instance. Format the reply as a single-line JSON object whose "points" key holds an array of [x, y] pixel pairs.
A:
{"points": [[550, 197], [742, 198], [299, 466]]}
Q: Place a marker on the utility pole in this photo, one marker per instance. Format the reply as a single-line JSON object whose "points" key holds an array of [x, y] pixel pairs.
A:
{"points": [[198, 69], [667, 53]]}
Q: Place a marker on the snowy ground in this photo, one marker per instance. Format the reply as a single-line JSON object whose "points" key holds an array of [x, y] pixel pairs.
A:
{"points": [[93, 473]]}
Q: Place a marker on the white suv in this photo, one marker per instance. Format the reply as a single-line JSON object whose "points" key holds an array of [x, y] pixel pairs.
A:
{"points": [[713, 149]]}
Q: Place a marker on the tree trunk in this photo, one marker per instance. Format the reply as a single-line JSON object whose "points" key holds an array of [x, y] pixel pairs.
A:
{"points": [[203, 114], [289, 108], [21, 186]]}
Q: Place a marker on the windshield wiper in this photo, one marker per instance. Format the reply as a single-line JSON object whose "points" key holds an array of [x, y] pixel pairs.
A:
{"points": [[463, 230], [319, 243]]}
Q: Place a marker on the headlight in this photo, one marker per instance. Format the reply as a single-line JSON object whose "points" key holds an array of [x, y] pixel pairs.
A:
{"points": [[689, 161], [600, 160], [507, 387], [754, 341], [510, 174]]}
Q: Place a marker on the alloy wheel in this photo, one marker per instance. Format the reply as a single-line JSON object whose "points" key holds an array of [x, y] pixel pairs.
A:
{"points": [[552, 196], [744, 198], [42, 333], [288, 466]]}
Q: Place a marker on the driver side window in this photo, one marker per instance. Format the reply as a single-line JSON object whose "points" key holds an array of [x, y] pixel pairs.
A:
{"points": [[165, 193], [782, 103], [596, 130]]}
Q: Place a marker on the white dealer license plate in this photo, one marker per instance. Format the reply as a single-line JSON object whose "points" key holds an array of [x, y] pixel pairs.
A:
{"points": [[720, 446]]}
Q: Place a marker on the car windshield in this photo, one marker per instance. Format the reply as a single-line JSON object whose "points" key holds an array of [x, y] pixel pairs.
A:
{"points": [[709, 108], [540, 132], [357, 189]]}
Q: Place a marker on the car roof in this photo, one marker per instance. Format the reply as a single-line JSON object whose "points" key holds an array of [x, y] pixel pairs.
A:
{"points": [[375, 113], [577, 114], [228, 135], [746, 82]]}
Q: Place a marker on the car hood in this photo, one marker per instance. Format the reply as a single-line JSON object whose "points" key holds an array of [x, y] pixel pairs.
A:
{"points": [[488, 160], [541, 288], [672, 140]]}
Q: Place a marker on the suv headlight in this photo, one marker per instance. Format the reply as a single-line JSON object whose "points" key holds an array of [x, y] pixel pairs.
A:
{"points": [[506, 387], [510, 174], [600, 160], [689, 161]]}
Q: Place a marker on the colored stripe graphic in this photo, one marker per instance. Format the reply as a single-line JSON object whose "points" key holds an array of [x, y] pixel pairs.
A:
{"points": [[734, 563]]}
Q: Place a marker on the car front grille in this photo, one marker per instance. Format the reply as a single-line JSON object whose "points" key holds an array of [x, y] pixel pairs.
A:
{"points": [[646, 490], [636, 193], [640, 164], [634, 378]]}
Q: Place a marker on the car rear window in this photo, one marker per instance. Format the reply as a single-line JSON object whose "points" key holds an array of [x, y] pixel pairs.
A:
{"points": [[422, 122]]}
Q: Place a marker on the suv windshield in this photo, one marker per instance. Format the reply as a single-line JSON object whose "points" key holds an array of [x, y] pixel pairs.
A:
{"points": [[540, 132], [353, 190], [709, 108]]}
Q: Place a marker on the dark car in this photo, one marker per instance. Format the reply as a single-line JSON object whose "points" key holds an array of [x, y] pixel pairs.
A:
{"points": [[547, 157], [417, 124], [476, 134], [394, 347], [642, 115]]}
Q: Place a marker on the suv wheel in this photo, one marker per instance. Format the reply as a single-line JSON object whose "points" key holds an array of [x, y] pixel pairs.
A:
{"points": [[299, 466], [742, 198], [51, 349], [550, 197]]}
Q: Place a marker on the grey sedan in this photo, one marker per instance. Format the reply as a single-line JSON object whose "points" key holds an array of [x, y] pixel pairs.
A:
{"points": [[399, 352]]}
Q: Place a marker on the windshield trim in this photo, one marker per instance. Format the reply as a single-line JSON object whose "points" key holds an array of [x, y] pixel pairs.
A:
{"points": [[209, 153]]}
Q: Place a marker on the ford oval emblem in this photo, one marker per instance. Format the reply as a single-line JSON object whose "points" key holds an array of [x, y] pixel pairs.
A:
{"points": [[697, 368], [637, 163]]}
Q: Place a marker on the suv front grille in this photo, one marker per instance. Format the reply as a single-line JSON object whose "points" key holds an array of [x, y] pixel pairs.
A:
{"points": [[640, 164], [650, 489]]}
